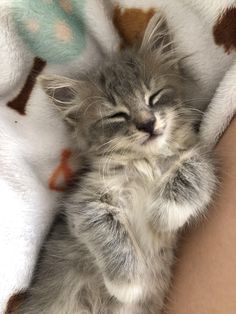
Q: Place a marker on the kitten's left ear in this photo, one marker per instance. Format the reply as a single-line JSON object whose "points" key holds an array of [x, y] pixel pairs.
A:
{"points": [[157, 35]]}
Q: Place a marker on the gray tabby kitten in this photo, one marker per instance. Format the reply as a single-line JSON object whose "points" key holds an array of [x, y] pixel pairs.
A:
{"points": [[144, 177]]}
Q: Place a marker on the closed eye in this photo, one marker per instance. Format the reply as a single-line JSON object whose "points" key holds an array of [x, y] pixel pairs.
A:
{"points": [[122, 115], [162, 97]]}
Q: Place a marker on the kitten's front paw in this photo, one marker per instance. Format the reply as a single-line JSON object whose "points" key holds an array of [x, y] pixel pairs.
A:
{"points": [[124, 292], [186, 190]]}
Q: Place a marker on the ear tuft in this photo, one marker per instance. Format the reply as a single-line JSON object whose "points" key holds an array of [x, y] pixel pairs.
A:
{"points": [[60, 89], [157, 35]]}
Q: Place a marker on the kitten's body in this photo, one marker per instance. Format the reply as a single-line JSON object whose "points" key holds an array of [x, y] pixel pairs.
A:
{"points": [[73, 282], [120, 199], [144, 178]]}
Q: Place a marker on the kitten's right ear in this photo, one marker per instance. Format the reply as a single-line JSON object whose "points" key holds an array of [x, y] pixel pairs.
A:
{"points": [[62, 91]]}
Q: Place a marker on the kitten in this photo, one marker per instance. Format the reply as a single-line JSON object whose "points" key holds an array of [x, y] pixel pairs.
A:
{"points": [[145, 175]]}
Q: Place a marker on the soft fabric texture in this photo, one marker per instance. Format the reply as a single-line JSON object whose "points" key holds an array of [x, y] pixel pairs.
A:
{"points": [[64, 37]]}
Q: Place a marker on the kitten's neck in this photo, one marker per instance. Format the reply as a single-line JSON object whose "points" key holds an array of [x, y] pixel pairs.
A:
{"points": [[109, 162]]}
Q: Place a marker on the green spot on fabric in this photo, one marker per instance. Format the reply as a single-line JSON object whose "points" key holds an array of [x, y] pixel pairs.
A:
{"points": [[35, 21]]}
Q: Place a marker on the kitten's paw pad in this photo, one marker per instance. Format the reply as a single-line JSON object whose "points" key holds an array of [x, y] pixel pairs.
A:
{"points": [[125, 292]]}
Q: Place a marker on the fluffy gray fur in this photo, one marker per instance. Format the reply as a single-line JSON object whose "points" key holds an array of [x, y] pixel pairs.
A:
{"points": [[145, 175]]}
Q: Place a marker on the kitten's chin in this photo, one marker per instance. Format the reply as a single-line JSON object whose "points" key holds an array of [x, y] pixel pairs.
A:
{"points": [[158, 147], [154, 142], [152, 146], [150, 139]]}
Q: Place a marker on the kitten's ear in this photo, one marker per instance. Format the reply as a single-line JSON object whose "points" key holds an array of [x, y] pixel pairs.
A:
{"points": [[157, 35], [62, 91]]}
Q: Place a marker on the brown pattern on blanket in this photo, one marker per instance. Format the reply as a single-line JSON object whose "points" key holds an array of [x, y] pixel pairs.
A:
{"points": [[224, 30], [19, 103], [131, 23]]}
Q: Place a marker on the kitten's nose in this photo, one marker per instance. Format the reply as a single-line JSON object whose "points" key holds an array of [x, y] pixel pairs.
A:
{"points": [[147, 126]]}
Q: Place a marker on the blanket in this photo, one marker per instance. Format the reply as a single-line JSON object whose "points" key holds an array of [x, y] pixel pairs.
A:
{"points": [[37, 158]]}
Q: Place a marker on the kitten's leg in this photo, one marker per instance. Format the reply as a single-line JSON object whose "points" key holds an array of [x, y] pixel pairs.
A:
{"points": [[184, 191], [105, 231], [221, 109], [59, 276]]}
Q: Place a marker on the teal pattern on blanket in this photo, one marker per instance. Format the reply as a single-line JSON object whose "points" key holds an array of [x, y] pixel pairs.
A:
{"points": [[54, 29]]}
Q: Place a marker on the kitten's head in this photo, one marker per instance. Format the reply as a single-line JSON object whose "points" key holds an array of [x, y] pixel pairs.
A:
{"points": [[132, 100]]}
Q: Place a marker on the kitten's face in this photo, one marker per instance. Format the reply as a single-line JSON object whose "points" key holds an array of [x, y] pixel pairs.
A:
{"points": [[125, 107], [131, 101]]}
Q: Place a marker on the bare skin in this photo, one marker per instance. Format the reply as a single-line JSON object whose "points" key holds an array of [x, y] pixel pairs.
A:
{"points": [[205, 274]]}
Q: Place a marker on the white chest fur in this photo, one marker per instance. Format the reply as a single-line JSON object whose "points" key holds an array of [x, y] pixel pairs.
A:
{"points": [[133, 192]]}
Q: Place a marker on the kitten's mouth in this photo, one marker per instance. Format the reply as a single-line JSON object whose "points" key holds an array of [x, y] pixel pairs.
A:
{"points": [[151, 138]]}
